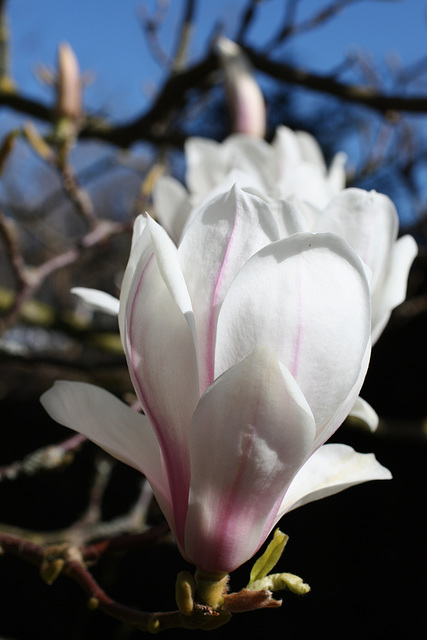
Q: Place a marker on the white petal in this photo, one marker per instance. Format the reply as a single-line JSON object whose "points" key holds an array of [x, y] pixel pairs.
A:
{"points": [[363, 411], [369, 223], [172, 205], [250, 433], [220, 240], [97, 300], [289, 218], [205, 165], [137, 247], [332, 468], [159, 347], [393, 291], [306, 297], [337, 176], [113, 426], [310, 149]]}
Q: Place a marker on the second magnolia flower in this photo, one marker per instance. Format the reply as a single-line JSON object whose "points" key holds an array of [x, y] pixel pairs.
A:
{"points": [[247, 352]]}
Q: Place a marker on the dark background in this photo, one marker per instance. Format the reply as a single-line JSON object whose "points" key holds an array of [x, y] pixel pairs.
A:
{"points": [[361, 551]]}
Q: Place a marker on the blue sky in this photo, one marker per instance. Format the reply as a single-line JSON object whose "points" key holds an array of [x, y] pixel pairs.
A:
{"points": [[110, 45], [109, 41]]}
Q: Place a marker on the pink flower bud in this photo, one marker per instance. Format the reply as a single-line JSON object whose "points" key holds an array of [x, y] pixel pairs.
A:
{"points": [[69, 88], [245, 100]]}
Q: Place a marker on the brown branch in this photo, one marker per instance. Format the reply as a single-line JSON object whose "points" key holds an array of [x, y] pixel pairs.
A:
{"points": [[62, 560], [68, 561], [155, 125], [180, 57], [103, 231], [43, 459], [367, 96], [291, 28]]}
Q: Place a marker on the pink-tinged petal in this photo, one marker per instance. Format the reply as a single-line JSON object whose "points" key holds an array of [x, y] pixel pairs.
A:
{"points": [[393, 291], [161, 355], [308, 299], [96, 300], [220, 240], [331, 469], [250, 433], [138, 245], [114, 427], [171, 205]]}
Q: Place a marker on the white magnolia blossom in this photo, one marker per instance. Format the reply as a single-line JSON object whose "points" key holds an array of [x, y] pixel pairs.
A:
{"points": [[291, 174], [247, 350], [292, 166]]}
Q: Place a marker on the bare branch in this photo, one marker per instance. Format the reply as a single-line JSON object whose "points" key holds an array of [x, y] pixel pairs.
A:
{"points": [[291, 28]]}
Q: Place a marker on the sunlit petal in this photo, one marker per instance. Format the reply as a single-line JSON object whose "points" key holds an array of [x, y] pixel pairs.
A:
{"points": [[251, 431]]}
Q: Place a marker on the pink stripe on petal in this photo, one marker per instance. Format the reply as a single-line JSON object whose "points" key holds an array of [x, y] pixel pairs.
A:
{"points": [[151, 324], [217, 294]]}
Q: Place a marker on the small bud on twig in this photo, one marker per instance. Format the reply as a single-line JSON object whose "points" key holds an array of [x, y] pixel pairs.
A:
{"points": [[245, 100]]}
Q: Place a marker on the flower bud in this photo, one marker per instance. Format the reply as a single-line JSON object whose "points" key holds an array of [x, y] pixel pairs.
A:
{"points": [[69, 87], [245, 100]]}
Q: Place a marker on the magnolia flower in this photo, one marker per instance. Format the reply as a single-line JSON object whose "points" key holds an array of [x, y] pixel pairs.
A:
{"points": [[292, 166], [246, 351], [367, 220]]}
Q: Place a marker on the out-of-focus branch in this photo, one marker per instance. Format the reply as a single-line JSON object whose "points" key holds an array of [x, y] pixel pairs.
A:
{"points": [[68, 560], [292, 28], [180, 58], [156, 124], [247, 19], [359, 94], [44, 459], [6, 82], [32, 279]]}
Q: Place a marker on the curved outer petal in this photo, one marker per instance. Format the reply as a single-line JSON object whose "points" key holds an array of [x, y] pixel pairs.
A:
{"points": [[394, 287], [158, 341], [216, 245], [331, 469], [134, 258], [250, 433], [96, 300], [362, 410], [307, 298], [114, 427], [369, 222]]}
